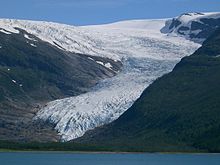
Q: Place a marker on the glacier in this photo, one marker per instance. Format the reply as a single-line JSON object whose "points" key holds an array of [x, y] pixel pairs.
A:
{"points": [[146, 54], [144, 51]]}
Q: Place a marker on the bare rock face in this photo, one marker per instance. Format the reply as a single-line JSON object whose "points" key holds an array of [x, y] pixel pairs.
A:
{"points": [[193, 26]]}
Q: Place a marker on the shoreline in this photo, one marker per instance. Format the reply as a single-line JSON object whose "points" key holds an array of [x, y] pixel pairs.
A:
{"points": [[103, 152]]}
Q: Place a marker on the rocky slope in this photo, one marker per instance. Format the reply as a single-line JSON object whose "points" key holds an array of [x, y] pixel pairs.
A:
{"points": [[33, 72], [193, 26]]}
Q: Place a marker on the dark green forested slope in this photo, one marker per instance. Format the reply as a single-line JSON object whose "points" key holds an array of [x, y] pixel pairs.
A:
{"points": [[178, 112]]}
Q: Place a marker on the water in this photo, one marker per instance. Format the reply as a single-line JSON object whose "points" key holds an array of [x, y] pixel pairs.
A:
{"points": [[107, 159]]}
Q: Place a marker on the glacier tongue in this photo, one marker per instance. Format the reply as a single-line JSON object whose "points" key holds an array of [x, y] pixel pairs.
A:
{"points": [[146, 54], [107, 101]]}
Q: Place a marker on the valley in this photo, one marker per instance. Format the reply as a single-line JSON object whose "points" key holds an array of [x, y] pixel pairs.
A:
{"points": [[101, 69]]}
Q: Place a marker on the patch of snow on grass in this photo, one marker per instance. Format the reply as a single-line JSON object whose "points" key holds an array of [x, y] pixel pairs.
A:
{"points": [[100, 62], [29, 38], [33, 45], [91, 58]]}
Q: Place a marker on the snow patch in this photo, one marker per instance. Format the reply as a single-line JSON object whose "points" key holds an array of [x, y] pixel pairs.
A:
{"points": [[108, 65], [100, 62], [91, 58], [217, 56], [4, 31], [14, 81], [33, 45], [29, 38]]}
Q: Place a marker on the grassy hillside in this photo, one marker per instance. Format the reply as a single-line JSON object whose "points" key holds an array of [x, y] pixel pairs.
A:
{"points": [[178, 112]]}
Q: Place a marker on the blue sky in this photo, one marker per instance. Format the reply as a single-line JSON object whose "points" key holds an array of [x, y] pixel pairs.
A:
{"points": [[85, 12]]}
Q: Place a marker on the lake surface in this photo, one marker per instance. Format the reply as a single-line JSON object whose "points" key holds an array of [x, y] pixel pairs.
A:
{"points": [[107, 159]]}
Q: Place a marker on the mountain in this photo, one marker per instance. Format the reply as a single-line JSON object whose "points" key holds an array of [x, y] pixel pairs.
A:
{"points": [[33, 72], [61, 81], [194, 26], [178, 112], [145, 53]]}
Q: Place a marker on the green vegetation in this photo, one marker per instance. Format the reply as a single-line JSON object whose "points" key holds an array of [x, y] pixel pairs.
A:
{"points": [[178, 112], [53, 146], [8, 146]]}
